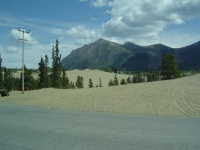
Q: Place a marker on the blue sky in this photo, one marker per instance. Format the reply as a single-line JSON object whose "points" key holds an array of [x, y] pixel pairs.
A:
{"points": [[78, 22]]}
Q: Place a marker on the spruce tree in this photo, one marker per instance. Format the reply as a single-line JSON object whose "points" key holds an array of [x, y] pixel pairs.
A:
{"points": [[90, 83], [42, 77], [123, 82], [169, 67], [8, 79], [30, 82], [152, 76], [115, 81], [1, 78], [110, 83], [56, 67], [53, 64], [137, 78], [71, 85], [140, 79], [47, 77], [65, 80], [16, 83], [79, 82], [100, 84], [128, 80]]}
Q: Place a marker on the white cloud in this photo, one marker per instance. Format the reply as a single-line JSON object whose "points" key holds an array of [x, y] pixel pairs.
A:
{"points": [[143, 22], [99, 3], [82, 36], [147, 18], [16, 35], [12, 55], [181, 37], [11, 49], [57, 31], [81, 32], [79, 35]]}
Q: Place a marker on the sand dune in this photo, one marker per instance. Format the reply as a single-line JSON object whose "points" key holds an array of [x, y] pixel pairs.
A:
{"points": [[179, 97], [95, 75]]}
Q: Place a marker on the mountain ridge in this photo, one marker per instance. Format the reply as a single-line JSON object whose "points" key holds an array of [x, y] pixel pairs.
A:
{"points": [[106, 54]]}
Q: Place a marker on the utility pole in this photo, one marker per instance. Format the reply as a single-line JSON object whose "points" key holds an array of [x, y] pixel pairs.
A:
{"points": [[23, 31]]}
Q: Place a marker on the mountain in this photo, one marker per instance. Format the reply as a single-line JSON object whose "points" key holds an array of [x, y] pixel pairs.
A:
{"points": [[190, 57], [100, 54], [145, 57], [130, 56]]}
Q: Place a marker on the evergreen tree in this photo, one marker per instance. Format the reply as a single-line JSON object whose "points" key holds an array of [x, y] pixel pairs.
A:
{"points": [[90, 83], [137, 78], [123, 82], [115, 81], [140, 78], [71, 85], [79, 82], [16, 83], [110, 83], [152, 75], [8, 79], [82, 82], [1, 78], [158, 75], [53, 64], [169, 67], [128, 80], [65, 80], [42, 77], [100, 84], [56, 67], [30, 83], [47, 77], [114, 69]]}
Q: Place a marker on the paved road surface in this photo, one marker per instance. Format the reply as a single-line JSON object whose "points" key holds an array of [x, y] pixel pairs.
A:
{"points": [[27, 128]]}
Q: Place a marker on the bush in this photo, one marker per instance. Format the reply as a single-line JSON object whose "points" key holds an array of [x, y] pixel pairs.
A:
{"points": [[123, 82]]}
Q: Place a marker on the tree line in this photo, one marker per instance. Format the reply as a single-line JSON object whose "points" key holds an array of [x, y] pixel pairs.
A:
{"points": [[169, 71], [56, 77]]}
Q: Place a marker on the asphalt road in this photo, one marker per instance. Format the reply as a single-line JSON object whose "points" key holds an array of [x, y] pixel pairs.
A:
{"points": [[27, 128]]}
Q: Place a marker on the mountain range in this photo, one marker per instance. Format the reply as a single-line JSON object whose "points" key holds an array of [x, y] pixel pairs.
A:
{"points": [[130, 56]]}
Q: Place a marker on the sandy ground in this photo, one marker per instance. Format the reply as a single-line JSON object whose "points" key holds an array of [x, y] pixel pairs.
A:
{"points": [[180, 97], [95, 75]]}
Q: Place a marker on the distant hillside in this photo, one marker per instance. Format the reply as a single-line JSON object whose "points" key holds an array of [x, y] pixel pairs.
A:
{"points": [[100, 54], [145, 57], [190, 56], [129, 56]]}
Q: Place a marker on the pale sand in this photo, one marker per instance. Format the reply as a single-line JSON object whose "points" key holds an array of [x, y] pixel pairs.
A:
{"points": [[179, 97], [95, 75]]}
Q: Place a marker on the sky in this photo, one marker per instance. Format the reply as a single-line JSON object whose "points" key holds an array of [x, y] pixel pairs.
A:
{"points": [[175, 23]]}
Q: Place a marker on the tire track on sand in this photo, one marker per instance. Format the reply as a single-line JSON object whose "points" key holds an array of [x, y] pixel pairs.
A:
{"points": [[166, 102], [180, 101]]}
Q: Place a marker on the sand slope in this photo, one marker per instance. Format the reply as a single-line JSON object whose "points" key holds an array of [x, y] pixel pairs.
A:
{"points": [[180, 97], [95, 75]]}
